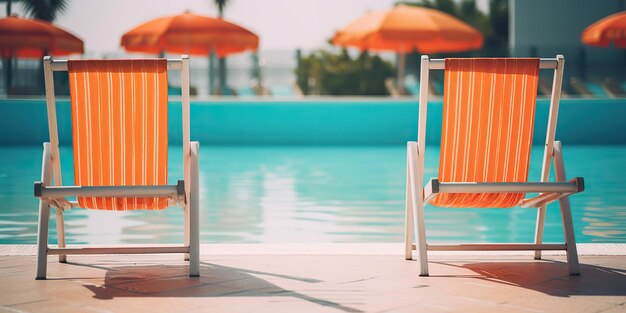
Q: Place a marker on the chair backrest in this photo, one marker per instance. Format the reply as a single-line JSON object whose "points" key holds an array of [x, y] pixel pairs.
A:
{"points": [[488, 121], [119, 127]]}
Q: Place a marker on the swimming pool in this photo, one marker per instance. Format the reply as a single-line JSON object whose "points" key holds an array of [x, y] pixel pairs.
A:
{"points": [[316, 194]]}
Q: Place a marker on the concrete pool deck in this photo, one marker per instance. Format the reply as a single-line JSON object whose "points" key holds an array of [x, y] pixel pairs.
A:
{"points": [[316, 278]]}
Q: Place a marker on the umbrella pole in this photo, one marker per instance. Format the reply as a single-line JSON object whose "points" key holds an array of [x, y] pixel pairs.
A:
{"points": [[8, 73], [400, 78], [211, 72], [222, 76], [41, 89]]}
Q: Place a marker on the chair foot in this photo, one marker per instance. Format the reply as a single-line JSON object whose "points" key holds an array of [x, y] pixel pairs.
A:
{"points": [[537, 258], [574, 274], [194, 268], [408, 251], [424, 269], [40, 278]]}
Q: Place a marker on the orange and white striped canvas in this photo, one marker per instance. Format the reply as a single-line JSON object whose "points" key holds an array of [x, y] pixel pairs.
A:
{"points": [[488, 120], [119, 128]]}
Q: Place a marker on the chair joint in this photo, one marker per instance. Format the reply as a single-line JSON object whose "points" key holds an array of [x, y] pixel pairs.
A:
{"points": [[580, 184], [434, 185], [38, 188], [180, 187]]}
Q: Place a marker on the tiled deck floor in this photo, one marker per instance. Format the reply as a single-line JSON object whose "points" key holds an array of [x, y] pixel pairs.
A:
{"points": [[372, 280]]}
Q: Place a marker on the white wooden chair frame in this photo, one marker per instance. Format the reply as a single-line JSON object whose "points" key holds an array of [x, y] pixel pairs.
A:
{"points": [[52, 193], [417, 196]]}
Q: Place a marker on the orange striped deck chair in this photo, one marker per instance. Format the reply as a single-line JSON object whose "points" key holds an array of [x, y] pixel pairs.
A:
{"points": [[486, 140], [120, 149]]}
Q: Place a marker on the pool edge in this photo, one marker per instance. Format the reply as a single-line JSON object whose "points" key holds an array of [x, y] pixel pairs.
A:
{"points": [[336, 249]]}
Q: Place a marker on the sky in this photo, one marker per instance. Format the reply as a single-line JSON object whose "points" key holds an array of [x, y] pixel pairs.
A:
{"points": [[280, 24]]}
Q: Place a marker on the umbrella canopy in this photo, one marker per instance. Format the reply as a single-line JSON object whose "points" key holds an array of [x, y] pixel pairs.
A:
{"points": [[407, 28], [190, 34], [611, 29], [28, 38]]}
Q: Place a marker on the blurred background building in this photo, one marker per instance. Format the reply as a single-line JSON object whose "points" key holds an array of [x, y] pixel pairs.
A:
{"points": [[547, 28]]}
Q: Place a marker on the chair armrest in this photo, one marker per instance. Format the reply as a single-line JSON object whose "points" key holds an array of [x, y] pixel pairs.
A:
{"points": [[573, 186], [43, 191], [550, 191]]}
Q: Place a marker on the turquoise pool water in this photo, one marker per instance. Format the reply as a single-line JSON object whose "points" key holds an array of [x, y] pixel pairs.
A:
{"points": [[316, 194]]}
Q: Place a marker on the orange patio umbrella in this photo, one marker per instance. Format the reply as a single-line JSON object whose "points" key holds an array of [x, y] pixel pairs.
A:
{"points": [[405, 29], [611, 29], [26, 38], [190, 34]]}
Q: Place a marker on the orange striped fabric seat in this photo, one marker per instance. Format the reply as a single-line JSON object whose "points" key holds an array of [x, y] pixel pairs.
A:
{"points": [[488, 119], [119, 128]]}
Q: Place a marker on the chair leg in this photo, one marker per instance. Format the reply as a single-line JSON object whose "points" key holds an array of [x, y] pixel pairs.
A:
{"points": [[60, 233], [186, 228], [194, 214], [541, 218], [570, 240], [422, 247], [408, 219], [566, 214], [194, 242], [417, 203], [44, 215], [42, 240]]}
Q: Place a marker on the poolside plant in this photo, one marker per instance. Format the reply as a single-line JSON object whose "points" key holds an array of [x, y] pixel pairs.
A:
{"points": [[324, 72]]}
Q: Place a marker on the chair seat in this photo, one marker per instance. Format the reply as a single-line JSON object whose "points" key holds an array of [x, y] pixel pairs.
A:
{"points": [[478, 200]]}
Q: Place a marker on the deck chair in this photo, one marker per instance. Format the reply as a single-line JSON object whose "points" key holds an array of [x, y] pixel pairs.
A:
{"points": [[488, 120], [614, 88], [589, 89], [120, 141]]}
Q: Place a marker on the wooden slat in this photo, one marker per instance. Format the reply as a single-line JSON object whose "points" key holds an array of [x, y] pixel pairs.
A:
{"points": [[119, 250], [542, 200], [61, 65], [544, 63], [497, 247]]}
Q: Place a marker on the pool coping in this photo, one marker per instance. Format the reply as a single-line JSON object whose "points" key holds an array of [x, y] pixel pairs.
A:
{"points": [[331, 249]]}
